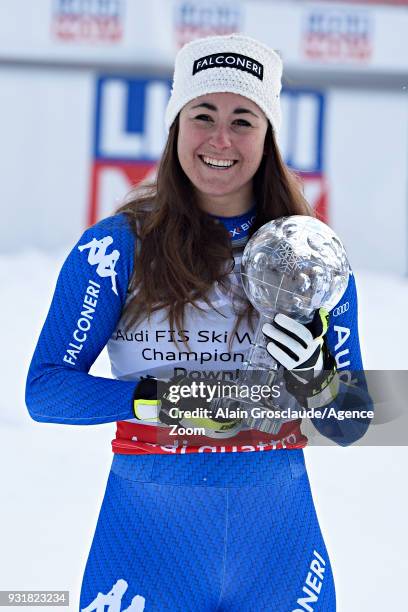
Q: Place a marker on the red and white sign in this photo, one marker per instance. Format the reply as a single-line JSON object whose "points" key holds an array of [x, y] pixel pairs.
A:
{"points": [[337, 34], [90, 21], [199, 18]]}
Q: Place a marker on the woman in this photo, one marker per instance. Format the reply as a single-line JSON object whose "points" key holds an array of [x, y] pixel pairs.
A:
{"points": [[212, 525]]}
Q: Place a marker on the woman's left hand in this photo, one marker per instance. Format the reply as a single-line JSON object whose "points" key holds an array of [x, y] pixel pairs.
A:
{"points": [[296, 346], [310, 371]]}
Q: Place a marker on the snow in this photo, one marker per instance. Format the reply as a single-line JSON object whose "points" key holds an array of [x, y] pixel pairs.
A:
{"points": [[53, 476]]}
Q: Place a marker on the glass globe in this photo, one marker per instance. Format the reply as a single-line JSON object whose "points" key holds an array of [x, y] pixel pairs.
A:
{"points": [[294, 265]]}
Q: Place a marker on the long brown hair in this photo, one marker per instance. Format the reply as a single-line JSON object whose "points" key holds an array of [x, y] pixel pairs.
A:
{"points": [[181, 250]]}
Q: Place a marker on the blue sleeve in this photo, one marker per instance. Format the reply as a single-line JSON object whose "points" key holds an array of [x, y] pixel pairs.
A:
{"points": [[343, 343], [88, 301], [342, 335]]}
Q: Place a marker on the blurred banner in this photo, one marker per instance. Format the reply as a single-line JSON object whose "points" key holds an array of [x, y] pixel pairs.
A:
{"points": [[326, 35], [129, 138]]}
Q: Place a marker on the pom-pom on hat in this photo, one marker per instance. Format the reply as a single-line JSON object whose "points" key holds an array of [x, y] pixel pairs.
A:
{"points": [[233, 63]]}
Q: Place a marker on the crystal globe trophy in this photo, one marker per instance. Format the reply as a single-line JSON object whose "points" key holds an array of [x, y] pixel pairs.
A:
{"points": [[292, 265]]}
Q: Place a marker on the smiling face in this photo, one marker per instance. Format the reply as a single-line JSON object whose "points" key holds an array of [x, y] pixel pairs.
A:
{"points": [[220, 146]]}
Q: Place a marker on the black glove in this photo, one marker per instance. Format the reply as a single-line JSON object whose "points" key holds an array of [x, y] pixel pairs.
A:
{"points": [[310, 370], [159, 402]]}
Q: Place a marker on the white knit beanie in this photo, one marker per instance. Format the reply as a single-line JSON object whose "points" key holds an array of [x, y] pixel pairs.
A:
{"points": [[234, 63]]}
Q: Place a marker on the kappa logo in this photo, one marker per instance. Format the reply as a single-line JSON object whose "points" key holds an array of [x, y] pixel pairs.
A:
{"points": [[105, 262], [229, 60], [339, 310], [112, 601]]}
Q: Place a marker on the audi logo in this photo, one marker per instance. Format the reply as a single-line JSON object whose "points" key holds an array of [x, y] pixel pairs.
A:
{"points": [[339, 310]]}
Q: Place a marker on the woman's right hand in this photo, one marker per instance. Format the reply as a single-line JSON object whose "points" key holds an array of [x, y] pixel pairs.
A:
{"points": [[166, 403]]}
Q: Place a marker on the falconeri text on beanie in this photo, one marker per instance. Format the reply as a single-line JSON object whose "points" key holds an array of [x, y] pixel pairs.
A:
{"points": [[234, 63]]}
